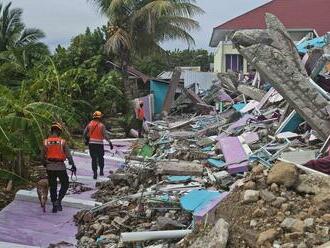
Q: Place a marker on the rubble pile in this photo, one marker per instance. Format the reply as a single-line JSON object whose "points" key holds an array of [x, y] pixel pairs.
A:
{"points": [[249, 167], [280, 207], [77, 188]]}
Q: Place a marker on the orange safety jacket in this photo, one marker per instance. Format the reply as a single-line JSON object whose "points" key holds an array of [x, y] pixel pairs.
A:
{"points": [[95, 132], [54, 149], [141, 114]]}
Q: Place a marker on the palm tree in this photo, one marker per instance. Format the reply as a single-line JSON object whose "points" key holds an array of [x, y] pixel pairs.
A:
{"points": [[140, 26], [12, 30]]}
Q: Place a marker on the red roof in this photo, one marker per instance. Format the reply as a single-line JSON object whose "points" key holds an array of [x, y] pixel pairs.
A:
{"points": [[295, 14]]}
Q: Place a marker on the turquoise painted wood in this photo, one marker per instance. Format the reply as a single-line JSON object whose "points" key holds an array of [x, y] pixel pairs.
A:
{"points": [[196, 200], [293, 124], [179, 179], [239, 106], [159, 89], [217, 163]]}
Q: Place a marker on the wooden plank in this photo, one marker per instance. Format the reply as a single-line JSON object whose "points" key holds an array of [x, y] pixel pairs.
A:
{"points": [[169, 99]]}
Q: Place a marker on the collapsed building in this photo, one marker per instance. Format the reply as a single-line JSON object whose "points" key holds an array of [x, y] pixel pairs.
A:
{"points": [[246, 164]]}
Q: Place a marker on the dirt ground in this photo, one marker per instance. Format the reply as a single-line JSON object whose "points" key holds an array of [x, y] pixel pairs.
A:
{"points": [[249, 221]]}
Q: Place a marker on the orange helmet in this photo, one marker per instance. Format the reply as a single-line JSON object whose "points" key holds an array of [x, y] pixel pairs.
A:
{"points": [[56, 125], [97, 115]]}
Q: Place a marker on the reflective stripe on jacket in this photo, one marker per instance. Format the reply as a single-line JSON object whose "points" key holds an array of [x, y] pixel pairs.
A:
{"points": [[96, 132], [54, 149]]}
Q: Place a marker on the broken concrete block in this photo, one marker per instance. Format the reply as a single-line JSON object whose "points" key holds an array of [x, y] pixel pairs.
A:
{"points": [[309, 223], [181, 168], [216, 238], [267, 195], [280, 64], [293, 225], [221, 175], [205, 142], [251, 196], [326, 218], [251, 92], [164, 223], [283, 174], [268, 235]]}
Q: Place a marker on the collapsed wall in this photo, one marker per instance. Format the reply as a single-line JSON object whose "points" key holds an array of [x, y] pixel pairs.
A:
{"points": [[274, 55]]}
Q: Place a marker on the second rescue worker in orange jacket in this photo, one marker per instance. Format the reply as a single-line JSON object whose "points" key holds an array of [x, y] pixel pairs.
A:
{"points": [[54, 153], [94, 134], [140, 118]]}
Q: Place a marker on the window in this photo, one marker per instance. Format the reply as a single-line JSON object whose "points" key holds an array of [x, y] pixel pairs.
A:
{"points": [[234, 62]]}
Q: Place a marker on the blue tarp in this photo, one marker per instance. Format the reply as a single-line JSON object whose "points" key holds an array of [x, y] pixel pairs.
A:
{"points": [[307, 45], [159, 89], [195, 200]]}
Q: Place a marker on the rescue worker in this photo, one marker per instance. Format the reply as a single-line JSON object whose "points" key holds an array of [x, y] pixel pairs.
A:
{"points": [[140, 118], [55, 152], [94, 134]]}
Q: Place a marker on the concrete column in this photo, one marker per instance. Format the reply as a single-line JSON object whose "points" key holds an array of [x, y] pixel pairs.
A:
{"points": [[275, 56]]}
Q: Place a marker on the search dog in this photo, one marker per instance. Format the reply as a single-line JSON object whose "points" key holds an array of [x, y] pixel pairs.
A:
{"points": [[42, 190]]}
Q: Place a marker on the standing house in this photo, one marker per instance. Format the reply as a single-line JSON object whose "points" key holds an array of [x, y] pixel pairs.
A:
{"points": [[301, 17]]}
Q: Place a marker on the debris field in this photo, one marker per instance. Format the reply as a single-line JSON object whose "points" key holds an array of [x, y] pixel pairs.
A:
{"points": [[244, 164]]}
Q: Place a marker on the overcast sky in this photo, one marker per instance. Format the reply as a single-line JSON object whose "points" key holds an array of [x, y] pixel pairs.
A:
{"points": [[63, 19]]}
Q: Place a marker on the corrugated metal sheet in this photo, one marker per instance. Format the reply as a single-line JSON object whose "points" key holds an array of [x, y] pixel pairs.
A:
{"points": [[167, 75], [203, 79]]}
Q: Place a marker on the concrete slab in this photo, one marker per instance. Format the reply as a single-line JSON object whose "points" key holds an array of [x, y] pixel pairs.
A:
{"points": [[181, 168], [12, 245], [32, 196], [107, 157], [24, 223], [299, 157]]}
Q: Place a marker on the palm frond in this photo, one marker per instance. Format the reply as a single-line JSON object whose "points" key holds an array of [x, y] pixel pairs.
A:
{"points": [[30, 35], [102, 5], [118, 41]]}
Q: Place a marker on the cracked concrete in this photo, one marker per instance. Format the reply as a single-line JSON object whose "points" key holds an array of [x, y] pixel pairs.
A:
{"points": [[274, 55]]}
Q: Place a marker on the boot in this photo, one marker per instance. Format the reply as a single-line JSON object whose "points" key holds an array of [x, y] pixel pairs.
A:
{"points": [[59, 205], [54, 207], [95, 175], [101, 172]]}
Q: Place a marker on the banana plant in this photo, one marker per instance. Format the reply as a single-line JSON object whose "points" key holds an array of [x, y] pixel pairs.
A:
{"points": [[24, 124]]}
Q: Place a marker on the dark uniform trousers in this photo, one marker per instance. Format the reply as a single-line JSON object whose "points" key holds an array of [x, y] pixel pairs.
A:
{"points": [[52, 179], [97, 154]]}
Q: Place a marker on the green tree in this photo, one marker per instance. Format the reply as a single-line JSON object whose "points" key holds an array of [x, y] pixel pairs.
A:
{"points": [[85, 58], [157, 62], [140, 26], [23, 125], [15, 63], [20, 47], [12, 30]]}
